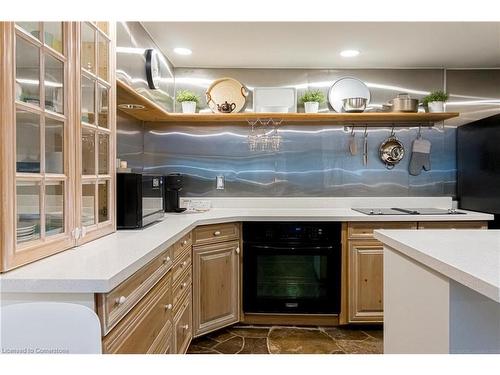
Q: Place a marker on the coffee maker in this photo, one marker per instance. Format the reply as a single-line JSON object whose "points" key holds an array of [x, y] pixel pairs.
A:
{"points": [[173, 186]]}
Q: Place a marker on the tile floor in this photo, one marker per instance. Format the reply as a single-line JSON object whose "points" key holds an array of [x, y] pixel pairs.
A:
{"points": [[290, 340]]}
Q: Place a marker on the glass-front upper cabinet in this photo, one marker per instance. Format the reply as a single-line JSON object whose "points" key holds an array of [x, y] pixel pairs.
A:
{"points": [[96, 133], [57, 137], [37, 166]]}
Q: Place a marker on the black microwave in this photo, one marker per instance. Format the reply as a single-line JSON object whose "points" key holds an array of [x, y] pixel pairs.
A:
{"points": [[139, 200]]}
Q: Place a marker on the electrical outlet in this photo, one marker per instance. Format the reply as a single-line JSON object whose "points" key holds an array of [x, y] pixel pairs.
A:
{"points": [[219, 182]]}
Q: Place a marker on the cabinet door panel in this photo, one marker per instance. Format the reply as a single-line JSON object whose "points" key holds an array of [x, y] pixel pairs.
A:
{"points": [[365, 281], [216, 286]]}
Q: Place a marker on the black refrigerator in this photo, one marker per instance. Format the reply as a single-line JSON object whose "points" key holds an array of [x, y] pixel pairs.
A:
{"points": [[478, 164]]}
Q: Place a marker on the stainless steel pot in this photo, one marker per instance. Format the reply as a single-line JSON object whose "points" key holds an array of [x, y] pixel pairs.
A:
{"points": [[391, 151], [403, 103]]}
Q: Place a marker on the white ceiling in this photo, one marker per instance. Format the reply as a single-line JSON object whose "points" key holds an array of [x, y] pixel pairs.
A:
{"points": [[317, 45]]}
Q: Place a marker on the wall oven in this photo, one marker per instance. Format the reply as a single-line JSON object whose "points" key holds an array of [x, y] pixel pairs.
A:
{"points": [[291, 267]]}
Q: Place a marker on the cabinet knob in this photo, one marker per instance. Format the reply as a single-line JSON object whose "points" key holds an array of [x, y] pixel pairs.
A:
{"points": [[185, 327], [184, 264], [217, 233], [166, 259], [121, 300], [168, 306], [183, 285], [184, 242], [238, 250]]}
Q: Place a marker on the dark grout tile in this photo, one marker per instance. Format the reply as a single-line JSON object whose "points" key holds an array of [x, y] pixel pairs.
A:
{"points": [[205, 342], [254, 332], [368, 346], [254, 346], [231, 346], [245, 339], [341, 333], [195, 349], [300, 341], [221, 335]]}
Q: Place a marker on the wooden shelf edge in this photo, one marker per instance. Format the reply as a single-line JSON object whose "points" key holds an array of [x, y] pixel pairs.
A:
{"points": [[125, 94], [336, 118]]}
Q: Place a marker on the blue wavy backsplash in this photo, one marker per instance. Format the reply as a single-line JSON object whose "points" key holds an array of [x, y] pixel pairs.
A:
{"points": [[312, 161]]}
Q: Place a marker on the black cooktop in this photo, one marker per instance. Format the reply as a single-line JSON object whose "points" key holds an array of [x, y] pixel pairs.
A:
{"points": [[408, 211]]}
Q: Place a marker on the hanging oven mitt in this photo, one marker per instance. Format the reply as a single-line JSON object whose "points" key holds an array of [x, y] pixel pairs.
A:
{"points": [[420, 156]]}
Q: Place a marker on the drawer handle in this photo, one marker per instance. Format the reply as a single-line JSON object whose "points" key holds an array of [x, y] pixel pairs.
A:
{"points": [[183, 285], [166, 259], [121, 300], [168, 306], [184, 243], [238, 250], [185, 327], [217, 233]]}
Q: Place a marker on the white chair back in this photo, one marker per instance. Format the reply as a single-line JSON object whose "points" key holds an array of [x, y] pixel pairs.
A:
{"points": [[49, 328]]}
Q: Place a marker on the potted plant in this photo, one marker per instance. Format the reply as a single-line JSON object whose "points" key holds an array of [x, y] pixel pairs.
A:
{"points": [[312, 99], [188, 100], [434, 102]]}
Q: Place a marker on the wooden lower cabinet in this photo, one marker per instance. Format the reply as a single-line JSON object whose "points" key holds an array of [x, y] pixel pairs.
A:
{"points": [[365, 265], [139, 331], [164, 342], [453, 225], [183, 326], [366, 287], [216, 286]]}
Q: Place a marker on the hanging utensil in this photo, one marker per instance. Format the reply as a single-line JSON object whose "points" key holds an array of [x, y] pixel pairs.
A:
{"points": [[420, 155], [391, 151], [365, 147], [353, 148]]}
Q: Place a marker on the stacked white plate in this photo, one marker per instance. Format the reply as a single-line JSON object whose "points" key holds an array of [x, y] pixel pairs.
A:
{"points": [[25, 232]]}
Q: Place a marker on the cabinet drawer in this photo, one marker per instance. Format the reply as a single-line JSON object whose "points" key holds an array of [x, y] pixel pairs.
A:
{"points": [[181, 245], [163, 343], [183, 326], [365, 229], [114, 305], [452, 225], [208, 234], [181, 265], [181, 288], [140, 328]]}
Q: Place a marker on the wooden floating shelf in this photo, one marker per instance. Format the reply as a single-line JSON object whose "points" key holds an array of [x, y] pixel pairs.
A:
{"points": [[154, 112], [367, 118], [125, 94]]}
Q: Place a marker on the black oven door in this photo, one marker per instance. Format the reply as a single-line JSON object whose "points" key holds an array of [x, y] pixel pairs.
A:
{"points": [[291, 279]]}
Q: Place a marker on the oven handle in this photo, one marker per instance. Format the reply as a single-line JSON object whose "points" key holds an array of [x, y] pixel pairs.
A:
{"points": [[266, 247]]}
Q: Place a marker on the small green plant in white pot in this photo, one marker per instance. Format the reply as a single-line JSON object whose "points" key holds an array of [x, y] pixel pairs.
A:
{"points": [[188, 100], [435, 101], [312, 99]]}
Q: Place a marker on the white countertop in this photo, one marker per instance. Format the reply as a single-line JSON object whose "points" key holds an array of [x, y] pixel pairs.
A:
{"points": [[469, 257], [99, 266]]}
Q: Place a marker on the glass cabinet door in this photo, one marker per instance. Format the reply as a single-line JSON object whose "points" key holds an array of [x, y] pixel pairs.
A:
{"points": [[40, 116], [96, 201], [57, 137]]}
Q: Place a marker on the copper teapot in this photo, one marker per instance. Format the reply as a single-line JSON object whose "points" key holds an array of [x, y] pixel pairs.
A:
{"points": [[226, 107]]}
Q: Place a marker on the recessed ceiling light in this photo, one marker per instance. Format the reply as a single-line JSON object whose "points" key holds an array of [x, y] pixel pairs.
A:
{"points": [[182, 51], [349, 53]]}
